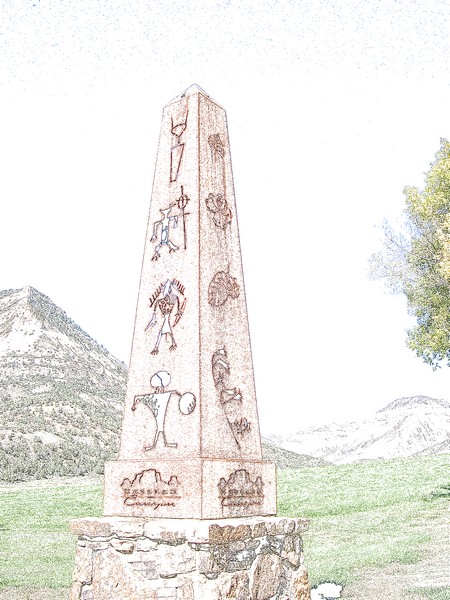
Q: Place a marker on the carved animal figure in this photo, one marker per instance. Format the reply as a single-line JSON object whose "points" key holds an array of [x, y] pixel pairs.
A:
{"points": [[222, 287]]}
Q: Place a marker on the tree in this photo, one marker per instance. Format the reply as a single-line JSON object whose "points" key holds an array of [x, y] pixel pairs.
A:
{"points": [[415, 261]]}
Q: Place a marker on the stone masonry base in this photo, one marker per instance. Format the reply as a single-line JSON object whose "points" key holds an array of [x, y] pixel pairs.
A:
{"points": [[255, 558]]}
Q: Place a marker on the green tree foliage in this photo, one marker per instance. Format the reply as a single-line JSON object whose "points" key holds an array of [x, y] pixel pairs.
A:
{"points": [[415, 261]]}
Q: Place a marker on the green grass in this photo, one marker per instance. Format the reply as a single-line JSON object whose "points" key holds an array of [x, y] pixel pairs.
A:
{"points": [[437, 593], [368, 514], [36, 548]]}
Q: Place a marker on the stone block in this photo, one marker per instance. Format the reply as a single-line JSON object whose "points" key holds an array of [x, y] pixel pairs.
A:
{"points": [[128, 527], [145, 568], [94, 545], [302, 525], [206, 563], [298, 587], [289, 526], [256, 568], [75, 592], [173, 560], [185, 591], [252, 544], [292, 550], [112, 580], [123, 546], [259, 530], [166, 594], [274, 544], [238, 561], [236, 546], [90, 527], [198, 487], [145, 545], [265, 576], [236, 587], [83, 565]]}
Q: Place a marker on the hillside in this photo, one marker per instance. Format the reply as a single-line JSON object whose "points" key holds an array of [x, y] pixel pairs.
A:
{"points": [[286, 459], [405, 427], [61, 393], [61, 399]]}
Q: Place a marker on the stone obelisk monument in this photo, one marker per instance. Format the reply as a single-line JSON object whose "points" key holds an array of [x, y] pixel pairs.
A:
{"points": [[190, 471], [190, 443]]}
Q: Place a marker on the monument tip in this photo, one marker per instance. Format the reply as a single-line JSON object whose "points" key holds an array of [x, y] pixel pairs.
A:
{"points": [[191, 90]]}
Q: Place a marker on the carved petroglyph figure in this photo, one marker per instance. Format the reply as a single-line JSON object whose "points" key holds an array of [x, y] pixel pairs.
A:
{"points": [[239, 490], [221, 370], [217, 149], [177, 149], [182, 202], [230, 398], [148, 488], [164, 225], [161, 228], [222, 287], [166, 298], [157, 402], [218, 207], [240, 426]]}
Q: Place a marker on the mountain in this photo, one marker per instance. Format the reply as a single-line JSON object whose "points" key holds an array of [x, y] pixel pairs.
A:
{"points": [[286, 459], [61, 393], [405, 427], [61, 401]]}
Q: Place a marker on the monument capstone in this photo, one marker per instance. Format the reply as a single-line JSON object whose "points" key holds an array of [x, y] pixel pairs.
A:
{"points": [[188, 502]]}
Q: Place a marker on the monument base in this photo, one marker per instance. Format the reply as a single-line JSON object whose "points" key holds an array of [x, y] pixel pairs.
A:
{"points": [[199, 487], [253, 558]]}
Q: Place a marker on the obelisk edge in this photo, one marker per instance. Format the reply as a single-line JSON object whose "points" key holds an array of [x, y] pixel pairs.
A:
{"points": [[190, 91]]}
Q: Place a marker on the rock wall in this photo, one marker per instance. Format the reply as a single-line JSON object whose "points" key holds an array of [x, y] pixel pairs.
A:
{"points": [[258, 558]]}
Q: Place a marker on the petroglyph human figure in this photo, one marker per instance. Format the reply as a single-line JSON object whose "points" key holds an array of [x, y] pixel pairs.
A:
{"points": [[166, 304], [165, 223], [157, 401]]}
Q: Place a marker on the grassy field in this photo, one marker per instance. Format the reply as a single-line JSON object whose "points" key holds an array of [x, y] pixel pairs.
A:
{"points": [[369, 514], [366, 516]]}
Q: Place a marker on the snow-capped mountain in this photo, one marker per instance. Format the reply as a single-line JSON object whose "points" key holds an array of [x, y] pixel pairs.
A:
{"points": [[61, 393], [405, 427]]}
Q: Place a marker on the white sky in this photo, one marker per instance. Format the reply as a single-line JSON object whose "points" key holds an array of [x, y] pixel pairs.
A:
{"points": [[333, 107]]}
